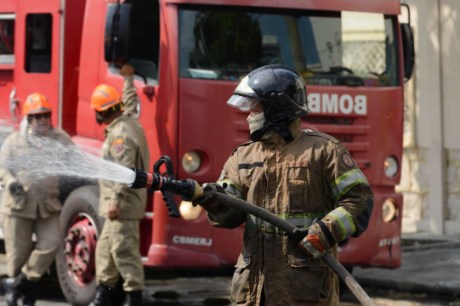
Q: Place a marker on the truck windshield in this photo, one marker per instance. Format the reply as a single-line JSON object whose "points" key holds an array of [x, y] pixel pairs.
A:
{"points": [[340, 48]]}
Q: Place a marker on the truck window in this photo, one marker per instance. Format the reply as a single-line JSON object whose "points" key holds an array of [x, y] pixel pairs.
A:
{"points": [[348, 48], [38, 43], [144, 38], [7, 38]]}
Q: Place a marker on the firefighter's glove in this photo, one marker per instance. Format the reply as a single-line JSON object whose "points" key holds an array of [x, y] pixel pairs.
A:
{"points": [[208, 200], [16, 189], [314, 244], [127, 70]]}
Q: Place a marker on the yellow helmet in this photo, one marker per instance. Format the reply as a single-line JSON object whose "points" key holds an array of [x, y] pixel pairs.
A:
{"points": [[104, 97], [36, 103]]}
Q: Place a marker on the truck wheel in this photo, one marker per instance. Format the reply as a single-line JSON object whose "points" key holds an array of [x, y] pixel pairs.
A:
{"points": [[75, 261]]}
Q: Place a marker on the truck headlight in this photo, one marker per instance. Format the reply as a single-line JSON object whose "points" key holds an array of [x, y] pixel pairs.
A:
{"points": [[389, 210], [390, 166], [188, 211], [191, 161]]}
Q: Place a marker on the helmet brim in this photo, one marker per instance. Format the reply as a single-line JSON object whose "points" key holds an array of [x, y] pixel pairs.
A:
{"points": [[41, 110]]}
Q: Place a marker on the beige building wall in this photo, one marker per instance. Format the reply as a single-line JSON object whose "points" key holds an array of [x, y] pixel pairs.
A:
{"points": [[431, 163]]}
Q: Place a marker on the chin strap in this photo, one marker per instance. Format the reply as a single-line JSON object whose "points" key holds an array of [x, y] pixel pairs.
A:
{"points": [[282, 129]]}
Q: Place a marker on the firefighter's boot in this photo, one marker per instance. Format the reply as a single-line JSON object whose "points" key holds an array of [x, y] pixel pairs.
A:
{"points": [[102, 297], [134, 298], [12, 293], [29, 292]]}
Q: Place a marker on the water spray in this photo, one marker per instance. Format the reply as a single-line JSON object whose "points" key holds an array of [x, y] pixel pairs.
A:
{"points": [[48, 157]]}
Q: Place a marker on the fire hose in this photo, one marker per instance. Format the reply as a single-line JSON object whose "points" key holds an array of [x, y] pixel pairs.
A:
{"points": [[190, 190]]}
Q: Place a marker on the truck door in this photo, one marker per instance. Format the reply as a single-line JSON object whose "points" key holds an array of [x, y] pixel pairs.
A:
{"points": [[38, 51], [7, 23]]}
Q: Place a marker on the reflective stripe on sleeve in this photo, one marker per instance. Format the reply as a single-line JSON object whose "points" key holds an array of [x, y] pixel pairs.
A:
{"points": [[347, 181], [344, 220]]}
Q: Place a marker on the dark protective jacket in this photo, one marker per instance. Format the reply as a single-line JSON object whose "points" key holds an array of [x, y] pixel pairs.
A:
{"points": [[311, 178]]}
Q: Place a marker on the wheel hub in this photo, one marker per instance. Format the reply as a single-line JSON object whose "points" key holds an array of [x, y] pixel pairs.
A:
{"points": [[80, 247]]}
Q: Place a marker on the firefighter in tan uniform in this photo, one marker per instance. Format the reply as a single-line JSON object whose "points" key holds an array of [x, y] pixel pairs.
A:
{"points": [[29, 205], [305, 177], [117, 251]]}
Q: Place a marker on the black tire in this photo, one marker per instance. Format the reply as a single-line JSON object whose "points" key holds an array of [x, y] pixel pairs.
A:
{"points": [[79, 215]]}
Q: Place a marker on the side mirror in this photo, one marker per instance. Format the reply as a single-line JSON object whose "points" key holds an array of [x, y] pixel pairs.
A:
{"points": [[117, 30], [408, 46]]}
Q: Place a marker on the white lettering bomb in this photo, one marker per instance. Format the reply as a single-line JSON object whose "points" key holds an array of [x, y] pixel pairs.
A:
{"points": [[337, 104]]}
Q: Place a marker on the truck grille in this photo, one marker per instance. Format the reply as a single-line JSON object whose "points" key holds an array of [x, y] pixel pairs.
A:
{"points": [[352, 132]]}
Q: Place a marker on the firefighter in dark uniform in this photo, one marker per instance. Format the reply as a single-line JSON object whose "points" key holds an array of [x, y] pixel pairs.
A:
{"points": [[117, 250], [307, 178], [30, 205]]}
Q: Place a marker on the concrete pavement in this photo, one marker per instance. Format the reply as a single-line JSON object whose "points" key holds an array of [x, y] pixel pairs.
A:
{"points": [[430, 267]]}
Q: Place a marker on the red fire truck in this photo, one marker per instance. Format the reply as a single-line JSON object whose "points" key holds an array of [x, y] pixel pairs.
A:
{"points": [[189, 56]]}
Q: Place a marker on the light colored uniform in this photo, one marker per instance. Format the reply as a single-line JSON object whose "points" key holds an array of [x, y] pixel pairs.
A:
{"points": [[36, 211], [117, 248], [302, 182], [130, 98]]}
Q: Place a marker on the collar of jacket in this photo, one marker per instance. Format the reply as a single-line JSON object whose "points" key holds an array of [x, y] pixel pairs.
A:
{"points": [[114, 123], [275, 140]]}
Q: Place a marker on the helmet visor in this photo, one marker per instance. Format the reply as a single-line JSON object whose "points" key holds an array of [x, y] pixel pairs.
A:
{"points": [[244, 104], [244, 96]]}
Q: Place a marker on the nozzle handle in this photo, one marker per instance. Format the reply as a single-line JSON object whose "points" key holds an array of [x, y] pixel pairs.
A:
{"points": [[168, 196]]}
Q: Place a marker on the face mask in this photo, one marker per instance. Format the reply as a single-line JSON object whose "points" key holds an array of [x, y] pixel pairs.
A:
{"points": [[99, 118], [256, 121]]}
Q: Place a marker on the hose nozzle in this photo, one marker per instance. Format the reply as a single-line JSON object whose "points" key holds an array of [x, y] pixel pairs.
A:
{"points": [[188, 189], [142, 179], [168, 185]]}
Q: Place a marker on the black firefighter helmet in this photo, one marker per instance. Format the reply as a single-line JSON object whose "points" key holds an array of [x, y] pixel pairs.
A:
{"points": [[281, 91]]}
